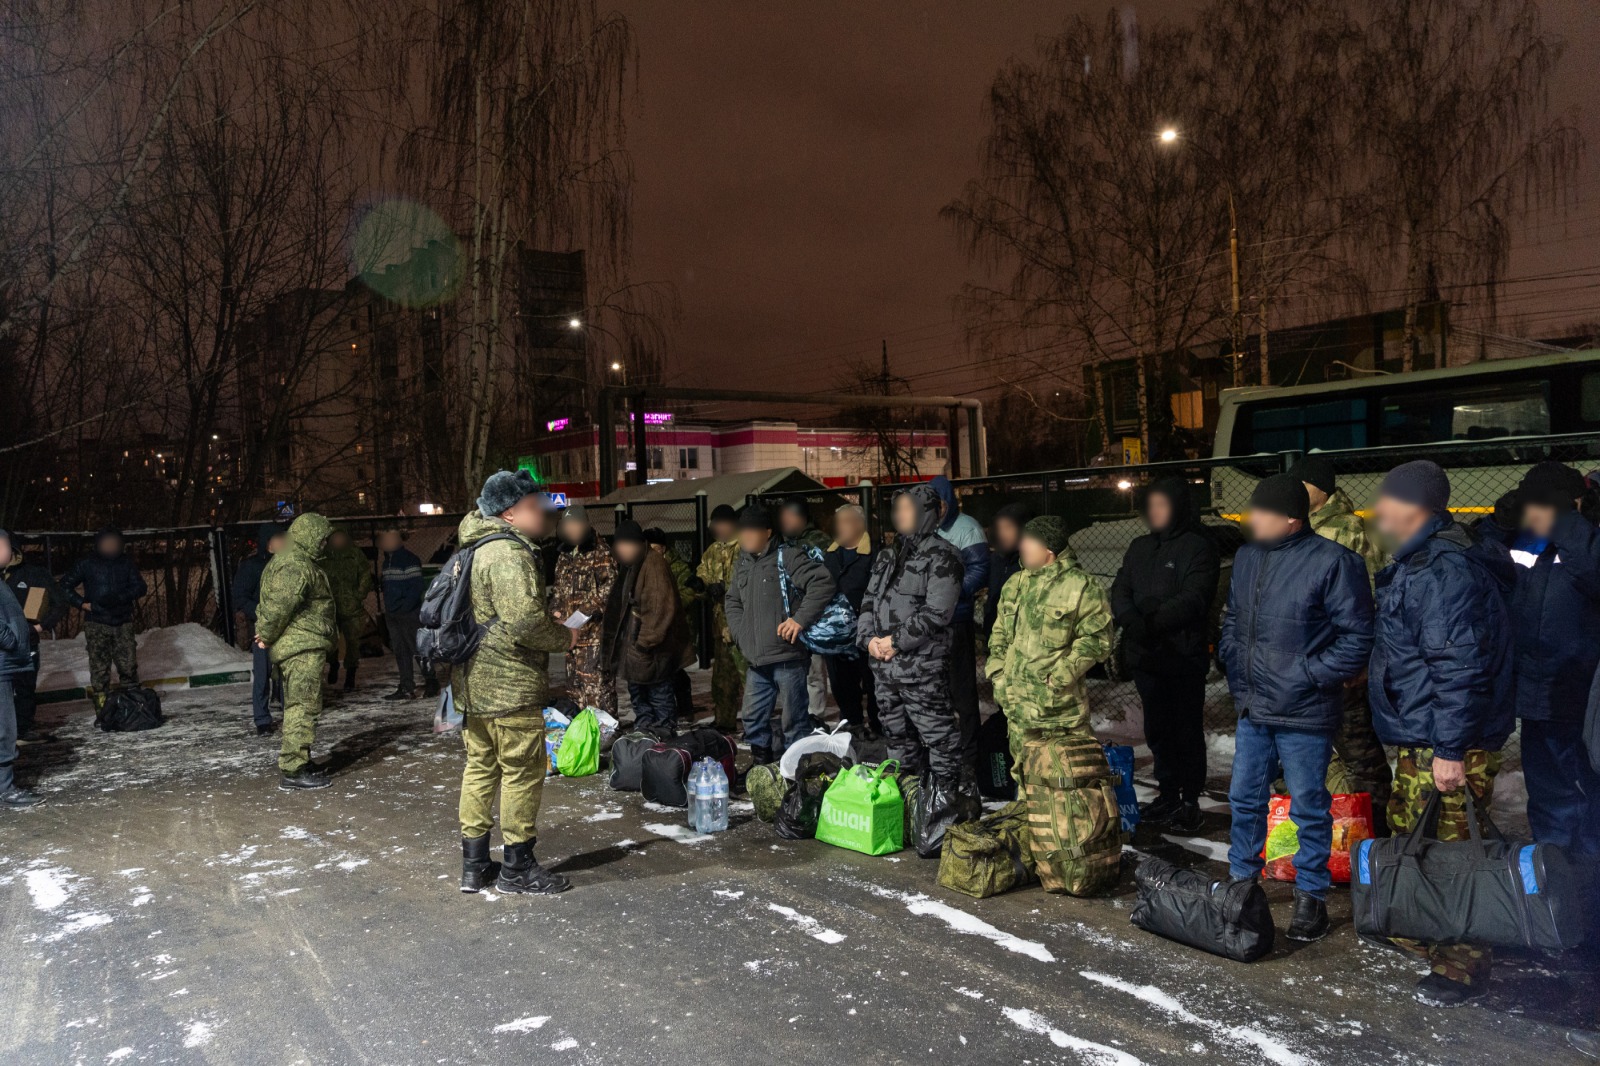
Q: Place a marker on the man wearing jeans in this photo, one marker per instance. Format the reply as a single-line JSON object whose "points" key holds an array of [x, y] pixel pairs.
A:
{"points": [[16, 657], [402, 587], [265, 684], [767, 630], [1298, 630]]}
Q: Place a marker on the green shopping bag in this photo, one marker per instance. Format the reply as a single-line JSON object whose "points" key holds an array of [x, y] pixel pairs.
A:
{"points": [[579, 753], [863, 811]]}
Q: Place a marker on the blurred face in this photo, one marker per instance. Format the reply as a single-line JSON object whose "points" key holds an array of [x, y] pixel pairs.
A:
{"points": [[1269, 525], [906, 515], [6, 552], [630, 551], [754, 541], [389, 540], [723, 529], [573, 530], [339, 539], [109, 546], [1006, 534], [527, 516], [275, 543], [1034, 554], [848, 528], [1398, 521], [1539, 519], [1158, 511], [792, 522], [1318, 497]]}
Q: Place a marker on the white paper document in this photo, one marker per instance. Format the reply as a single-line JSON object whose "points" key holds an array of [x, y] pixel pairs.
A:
{"points": [[576, 620]]}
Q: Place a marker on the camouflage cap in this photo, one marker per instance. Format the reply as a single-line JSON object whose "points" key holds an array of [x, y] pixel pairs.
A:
{"points": [[1049, 531]]}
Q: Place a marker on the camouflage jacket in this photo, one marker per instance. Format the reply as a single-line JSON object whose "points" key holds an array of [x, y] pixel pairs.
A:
{"points": [[716, 568], [911, 598], [682, 573], [510, 672], [1052, 625], [350, 574], [811, 537], [583, 581], [1337, 520], [296, 612]]}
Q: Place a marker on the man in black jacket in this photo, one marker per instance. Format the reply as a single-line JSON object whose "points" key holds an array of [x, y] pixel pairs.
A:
{"points": [[265, 686], [849, 561], [15, 658], [1162, 600], [111, 584], [1005, 557], [26, 578]]}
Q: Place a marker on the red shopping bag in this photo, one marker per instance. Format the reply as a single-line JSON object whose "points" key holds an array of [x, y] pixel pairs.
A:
{"points": [[1352, 823]]}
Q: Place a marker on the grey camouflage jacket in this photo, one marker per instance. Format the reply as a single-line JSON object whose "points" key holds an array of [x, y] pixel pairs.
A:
{"points": [[911, 598]]}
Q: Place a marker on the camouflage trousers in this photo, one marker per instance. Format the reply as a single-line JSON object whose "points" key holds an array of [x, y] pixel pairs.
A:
{"points": [[302, 706], [727, 683], [921, 726], [1413, 780], [587, 684], [111, 646], [504, 755], [1357, 747]]}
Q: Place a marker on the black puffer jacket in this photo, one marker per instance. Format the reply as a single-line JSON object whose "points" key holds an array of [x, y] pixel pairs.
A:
{"points": [[16, 650], [911, 598], [1163, 593], [1003, 564], [111, 585]]}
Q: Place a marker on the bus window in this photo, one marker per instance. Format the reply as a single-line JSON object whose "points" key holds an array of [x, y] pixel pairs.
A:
{"points": [[1325, 426], [1511, 409], [1589, 398]]}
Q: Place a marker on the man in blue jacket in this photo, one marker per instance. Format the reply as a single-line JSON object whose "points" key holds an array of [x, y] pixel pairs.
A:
{"points": [[111, 584], [402, 589], [16, 658], [265, 686], [966, 536], [1440, 682], [1299, 627], [1555, 619]]}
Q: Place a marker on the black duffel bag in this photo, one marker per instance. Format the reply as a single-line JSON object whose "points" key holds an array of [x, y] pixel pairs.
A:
{"points": [[627, 758], [130, 710], [1227, 918], [1491, 892], [664, 768]]}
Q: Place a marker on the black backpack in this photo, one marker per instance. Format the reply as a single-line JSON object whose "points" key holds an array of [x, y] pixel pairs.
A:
{"points": [[447, 630], [994, 759], [130, 710]]}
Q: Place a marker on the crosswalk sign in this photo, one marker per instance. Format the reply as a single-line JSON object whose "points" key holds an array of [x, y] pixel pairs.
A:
{"points": [[558, 499]]}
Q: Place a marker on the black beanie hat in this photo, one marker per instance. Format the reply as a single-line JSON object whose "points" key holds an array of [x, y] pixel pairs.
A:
{"points": [[724, 513], [628, 532], [1550, 481], [1282, 494], [1315, 470], [755, 517], [1422, 482], [655, 535]]}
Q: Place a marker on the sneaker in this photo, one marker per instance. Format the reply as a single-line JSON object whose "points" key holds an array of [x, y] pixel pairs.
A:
{"points": [[304, 778], [18, 798], [1161, 809], [1437, 990], [1310, 921], [401, 694], [1187, 821]]}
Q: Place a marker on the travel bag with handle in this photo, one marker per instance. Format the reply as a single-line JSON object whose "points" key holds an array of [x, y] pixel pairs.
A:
{"points": [[863, 810], [664, 768], [1485, 890], [130, 710], [989, 856], [1226, 917], [1074, 824], [627, 759]]}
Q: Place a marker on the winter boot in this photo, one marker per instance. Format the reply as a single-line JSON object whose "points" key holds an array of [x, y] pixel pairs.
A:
{"points": [[306, 777], [1437, 990], [1160, 810], [1187, 821], [1310, 920], [350, 679], [478, 871], [760, 756], [333, 673], [430, 689], [401, 694], [521, 872]]}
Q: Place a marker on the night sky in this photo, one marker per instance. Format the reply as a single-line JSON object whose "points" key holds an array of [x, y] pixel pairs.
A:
{"points": [[792, 159]]}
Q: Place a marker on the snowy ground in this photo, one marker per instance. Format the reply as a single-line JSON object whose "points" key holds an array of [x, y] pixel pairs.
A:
{"points": [[169, 904]]}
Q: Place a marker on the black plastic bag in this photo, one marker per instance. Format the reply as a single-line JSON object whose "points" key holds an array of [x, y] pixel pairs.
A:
{"points": [[940, 805], [802, 804], [130, 710], [994, 759], [1227, 918]]}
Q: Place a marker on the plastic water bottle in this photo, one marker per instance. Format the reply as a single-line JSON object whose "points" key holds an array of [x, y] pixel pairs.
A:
{"points": [[692, 788], [703, 795], [715, 810]]}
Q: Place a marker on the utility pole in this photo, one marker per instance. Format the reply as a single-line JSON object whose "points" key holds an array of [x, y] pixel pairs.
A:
{"points": [[1237, 326]]}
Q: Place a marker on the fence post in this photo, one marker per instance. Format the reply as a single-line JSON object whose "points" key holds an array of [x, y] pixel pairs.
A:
{"points": [[219, 582], [708, 617]]}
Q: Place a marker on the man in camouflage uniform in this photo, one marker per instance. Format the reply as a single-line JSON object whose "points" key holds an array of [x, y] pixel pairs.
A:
{"points": [[106, 586], [1052, 624], [503, 688], [350, 575], [1440, 680], [297, 622], [727, 664], [584, 573], [1334, 517]]}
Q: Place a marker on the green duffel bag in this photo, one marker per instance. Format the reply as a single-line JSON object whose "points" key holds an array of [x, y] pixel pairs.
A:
{"points": [[989, 856], [910, 785], [766, 788]]}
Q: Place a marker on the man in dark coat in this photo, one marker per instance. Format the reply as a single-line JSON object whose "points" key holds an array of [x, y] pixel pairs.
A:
{"points": [[645, 636], [904, 626], [1299, 626], [1162, 600], [963, 532], [1440, 681], [26, 578], [110, 585], [799, 534], [1005, 557], [401, 587], [265, 686], [849, 563], [767, 610], [16, 659], [1555, 616]]}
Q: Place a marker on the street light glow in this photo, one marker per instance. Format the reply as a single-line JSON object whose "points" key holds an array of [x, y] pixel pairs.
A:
{"points": [[574, 323], [1124, 484], [616, 366], [1169, 135]]}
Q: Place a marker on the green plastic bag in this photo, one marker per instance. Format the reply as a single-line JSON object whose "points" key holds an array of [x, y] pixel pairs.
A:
{"points": [[579, 753], [863, 811]]}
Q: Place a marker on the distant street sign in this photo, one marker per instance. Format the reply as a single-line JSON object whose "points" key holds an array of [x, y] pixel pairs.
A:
{"points": [[558, 499]]}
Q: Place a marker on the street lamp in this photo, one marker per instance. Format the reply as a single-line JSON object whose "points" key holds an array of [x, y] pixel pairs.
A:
{"points": [[618, 368], [1170, 135], [574, 323]]}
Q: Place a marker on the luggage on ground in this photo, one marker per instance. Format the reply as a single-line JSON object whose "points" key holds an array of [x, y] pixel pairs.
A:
{"points": [[1352, 823], [1120, 758], [1227, 918], [994, 759], [989, 856], [627, 757], [937, 807], [766, 788], [837, 742], [863, 811], [664, 768], [1485, 890], [1074, 825], [578, 754], [130, 710], [802, 804]]}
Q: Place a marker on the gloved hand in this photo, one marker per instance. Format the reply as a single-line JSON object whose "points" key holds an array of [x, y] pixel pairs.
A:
{"points": [[696, 584], [717, 591], [1134, 629], [1508, 511]]}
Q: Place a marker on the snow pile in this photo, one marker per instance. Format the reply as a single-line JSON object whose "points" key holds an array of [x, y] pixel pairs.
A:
{"points": [[187, 650]]}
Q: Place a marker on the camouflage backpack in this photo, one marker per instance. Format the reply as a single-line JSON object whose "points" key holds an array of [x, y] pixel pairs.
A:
{"points": [[1074, 825], [766, 787], [989, 856]]}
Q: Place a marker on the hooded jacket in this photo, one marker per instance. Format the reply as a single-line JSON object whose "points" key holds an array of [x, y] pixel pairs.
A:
{"points": [[645, 635], [296, 613], [1299, 626], [753, 605], [964, 532], [510, 672], [350, 573], [1441, 674], [16, 646], [112, 585], [1002, 564], [1555, 616], [1337, 520], [22, 577], [247, 579], [912, 596], [1163, 592]]}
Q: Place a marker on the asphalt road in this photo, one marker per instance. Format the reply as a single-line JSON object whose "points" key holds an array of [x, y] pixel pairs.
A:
{"points": [[170, 904]]}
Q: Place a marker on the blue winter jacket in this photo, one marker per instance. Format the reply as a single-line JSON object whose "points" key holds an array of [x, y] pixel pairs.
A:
{"points": [[1555, 616], [1299, 626], [403, 584], [1441, 673], [247, 579], [964, 532]]}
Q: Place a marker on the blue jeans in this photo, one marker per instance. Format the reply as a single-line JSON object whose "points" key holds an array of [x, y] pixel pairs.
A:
{"points": [[264, 686], [1258, 753], [1563, 788], [762, 685], [654, 705], [8, 734]]}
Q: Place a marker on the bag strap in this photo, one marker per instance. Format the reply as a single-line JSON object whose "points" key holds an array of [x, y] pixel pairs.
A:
{"points": [[1426, 822], [783, 584], [883, 768]]}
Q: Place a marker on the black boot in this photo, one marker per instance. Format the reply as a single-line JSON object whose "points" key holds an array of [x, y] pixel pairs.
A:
{"points": [[430, 688], [1187, 821], [1310, 920], [760, 756], [521, 872], [306, 777], [478, 871], [401, 693], [333, 673], [1161, 809], [1437, 990], [350, 678]]}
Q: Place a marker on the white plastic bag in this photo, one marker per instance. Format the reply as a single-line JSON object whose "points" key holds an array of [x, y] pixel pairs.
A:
{"points": [[446, 719], [837, 742]]}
